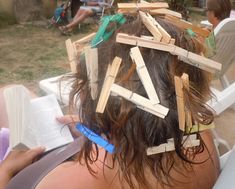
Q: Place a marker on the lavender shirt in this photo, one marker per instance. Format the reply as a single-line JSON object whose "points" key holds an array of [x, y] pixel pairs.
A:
{"points": [[4, 142]]}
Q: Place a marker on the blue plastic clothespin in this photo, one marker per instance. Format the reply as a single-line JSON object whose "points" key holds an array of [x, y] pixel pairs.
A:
{"points": [[95, 138]]}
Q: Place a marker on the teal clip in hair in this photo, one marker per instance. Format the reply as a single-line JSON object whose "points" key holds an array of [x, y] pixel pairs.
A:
{"points": [[191, 32], [95, 138], [108, 25]]}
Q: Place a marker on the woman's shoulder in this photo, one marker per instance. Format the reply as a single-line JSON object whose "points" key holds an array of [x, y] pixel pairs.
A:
{"points": [[75, 174]]}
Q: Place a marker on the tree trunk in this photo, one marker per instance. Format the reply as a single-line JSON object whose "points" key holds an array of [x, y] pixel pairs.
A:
{"points": [[49, 7], [28, 10]]}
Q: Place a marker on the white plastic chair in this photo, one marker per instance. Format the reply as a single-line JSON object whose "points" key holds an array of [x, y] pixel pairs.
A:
{"points": [[225, 47], [226, 178], [56, 85]]}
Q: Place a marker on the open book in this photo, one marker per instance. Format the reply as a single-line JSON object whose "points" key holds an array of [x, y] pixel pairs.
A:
{"points": [[32, 121]]}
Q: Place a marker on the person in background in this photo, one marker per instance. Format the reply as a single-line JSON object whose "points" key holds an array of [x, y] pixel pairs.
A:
{"points": [[89, 8], [217, 10], [75, 5]]}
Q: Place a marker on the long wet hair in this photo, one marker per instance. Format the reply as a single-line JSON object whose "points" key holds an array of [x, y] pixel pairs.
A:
{"points": [[131, 129]]}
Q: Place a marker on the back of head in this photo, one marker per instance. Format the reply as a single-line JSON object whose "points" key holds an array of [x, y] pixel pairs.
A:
{"points": [[221, 8], [131, 129]]}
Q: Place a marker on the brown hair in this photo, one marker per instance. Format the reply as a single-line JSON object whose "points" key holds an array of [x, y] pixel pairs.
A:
{"points": [[133, 130], [221, 8]]}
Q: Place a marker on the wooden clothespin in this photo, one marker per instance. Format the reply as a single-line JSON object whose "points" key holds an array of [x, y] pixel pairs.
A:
{"points": [[148, 22], [91, 57], [155, 28], [184, 115], [166, 38], [165, 147], [74, 50], [109, 80], [129, 7], [144, 42], [180, 102], [188, 114], [164, 11], [144, 75], [184, 55], [150, 105], [197, 60], [188, 142], [140, 101], [187, 25], [72, 55], [85, 39]]}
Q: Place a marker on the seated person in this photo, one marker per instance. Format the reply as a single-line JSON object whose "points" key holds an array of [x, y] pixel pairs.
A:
{"points": [[217, 10], [132, 130], [75, 4], [90, 8]]}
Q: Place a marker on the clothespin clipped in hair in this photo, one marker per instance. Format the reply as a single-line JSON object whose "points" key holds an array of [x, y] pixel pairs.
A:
{"points": [[91, 57], [148, 22], [184, 115], [144, 74], [184, 55], [149, 105], [72, 55], [74, 50], [188, 114], [155, 28], [109, 80], [130, 7], [140, 101], [191, 32], [103, 33], [188, 141]]}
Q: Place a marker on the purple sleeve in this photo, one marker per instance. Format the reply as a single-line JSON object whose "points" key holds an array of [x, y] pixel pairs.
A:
{"points": [[4, 142]]}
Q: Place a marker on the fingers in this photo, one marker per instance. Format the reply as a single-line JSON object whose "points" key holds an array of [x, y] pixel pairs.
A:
{"points": [[70, 120], [67, 119], [17, 160], [35, 152]]}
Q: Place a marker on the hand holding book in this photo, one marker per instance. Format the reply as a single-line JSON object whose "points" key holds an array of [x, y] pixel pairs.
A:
{"points": [[32, 122]]}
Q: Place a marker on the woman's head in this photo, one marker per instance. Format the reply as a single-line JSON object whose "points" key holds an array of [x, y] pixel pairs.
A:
{"points": [[131, 129], [217, 10]]}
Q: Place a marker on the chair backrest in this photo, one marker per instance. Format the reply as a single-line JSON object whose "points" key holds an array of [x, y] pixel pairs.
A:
{"points": [[225, 44], [107, 5], [226, 177]]}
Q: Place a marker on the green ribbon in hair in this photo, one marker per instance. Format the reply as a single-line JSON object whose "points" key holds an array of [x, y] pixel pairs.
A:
{"points": [[108, 25]]}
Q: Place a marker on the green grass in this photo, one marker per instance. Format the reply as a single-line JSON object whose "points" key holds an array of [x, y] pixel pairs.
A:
{"points": [[6, 20], [31, 53]]}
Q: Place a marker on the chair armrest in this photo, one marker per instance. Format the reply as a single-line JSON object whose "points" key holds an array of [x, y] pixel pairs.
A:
{"points": [[103, 4]]}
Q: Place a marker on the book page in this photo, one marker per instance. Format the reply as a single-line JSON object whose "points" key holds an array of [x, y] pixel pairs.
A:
{"points": [[50, 133]]}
